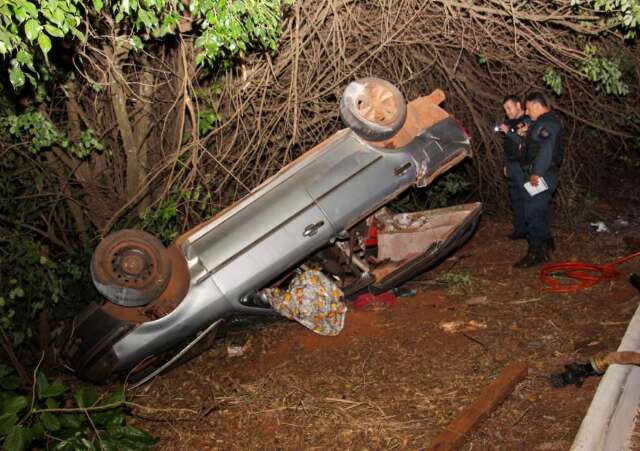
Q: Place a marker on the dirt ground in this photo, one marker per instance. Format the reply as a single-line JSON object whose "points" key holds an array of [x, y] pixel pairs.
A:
{"points": [[394, 379]]}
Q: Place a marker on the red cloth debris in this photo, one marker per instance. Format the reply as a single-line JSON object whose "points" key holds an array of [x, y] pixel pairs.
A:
{"points": [[368, 298], [372, 236]]}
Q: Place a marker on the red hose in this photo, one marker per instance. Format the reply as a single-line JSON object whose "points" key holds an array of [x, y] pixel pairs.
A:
{"points": [[583, 275]]}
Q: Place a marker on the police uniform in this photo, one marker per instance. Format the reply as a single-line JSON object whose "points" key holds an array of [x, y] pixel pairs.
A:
{"points": [[542, 157], [513, 145]]}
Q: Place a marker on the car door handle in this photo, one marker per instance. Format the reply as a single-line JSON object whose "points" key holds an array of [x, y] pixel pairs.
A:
{"points": [[312, 229], [401, 170]]}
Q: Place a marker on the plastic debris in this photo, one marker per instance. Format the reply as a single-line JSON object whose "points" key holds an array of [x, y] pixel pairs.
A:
{"points": [[599, 226], [404, 292], [453, 327], [236, 350]]}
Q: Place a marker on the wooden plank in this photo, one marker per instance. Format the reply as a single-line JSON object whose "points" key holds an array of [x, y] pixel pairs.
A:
{"points": [[490, 398]]}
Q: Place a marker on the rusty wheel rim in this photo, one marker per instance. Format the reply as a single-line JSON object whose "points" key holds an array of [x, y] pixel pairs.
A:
{"points": [[131, 267], [377, 104], [132, 264]]}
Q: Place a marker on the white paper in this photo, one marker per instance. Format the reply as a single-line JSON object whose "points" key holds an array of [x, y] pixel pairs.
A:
{"points": [[533, 190]]}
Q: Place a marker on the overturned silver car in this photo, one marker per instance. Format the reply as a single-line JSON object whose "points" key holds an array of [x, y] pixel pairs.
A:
{"points": [[161, 302]]}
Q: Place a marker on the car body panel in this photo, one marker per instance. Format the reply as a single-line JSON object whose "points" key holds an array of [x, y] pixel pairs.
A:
{"points": [[458, 226], [307, 205]]}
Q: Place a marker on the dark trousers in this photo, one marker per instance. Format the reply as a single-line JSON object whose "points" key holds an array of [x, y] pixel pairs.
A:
{"points": [[537, 212], [517, 195]]}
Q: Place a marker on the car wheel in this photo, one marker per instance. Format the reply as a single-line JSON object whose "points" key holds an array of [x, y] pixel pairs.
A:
{"points": [[373, 108], [130, 268]]}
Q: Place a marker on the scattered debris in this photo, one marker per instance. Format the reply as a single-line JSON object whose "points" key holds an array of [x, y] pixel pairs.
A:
{"points": [[453, 327], [490, 398], [525, 301], [366, 299], [621, 222], [238, 350], [404, 292], [576, 373], [476, 300], [404, 222], [599, 226]]}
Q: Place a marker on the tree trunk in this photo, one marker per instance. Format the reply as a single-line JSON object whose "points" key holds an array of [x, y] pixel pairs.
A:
{"points": [[143, 128], [118, 89]]}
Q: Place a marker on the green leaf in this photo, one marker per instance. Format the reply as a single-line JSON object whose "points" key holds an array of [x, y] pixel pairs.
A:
{"points": [[30, 9], [41, 383], [37, 431], [116, 397], [17, 440], [16, 76], [85, 396], [97, 4], [109, 418], [54, 31], [14, 404], [50, 421], [20, 13], [53, 390], [72, 421], [78, 34], [58, 17], [136, 42], [32, 29], [44, 42], [7, 421], [200, 58], [131, 433], [25, 58], [108, 443], [52, 403]]}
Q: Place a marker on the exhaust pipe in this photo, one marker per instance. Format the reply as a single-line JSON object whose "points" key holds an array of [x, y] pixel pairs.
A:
{"points": [[576, 373]]}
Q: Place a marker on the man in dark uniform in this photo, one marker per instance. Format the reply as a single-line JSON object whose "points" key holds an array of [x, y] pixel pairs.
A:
{"points": [[513, 145], [541, 164]]}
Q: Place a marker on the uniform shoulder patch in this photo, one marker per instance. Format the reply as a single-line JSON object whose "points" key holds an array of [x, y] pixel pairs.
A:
{"points": [[544, 133]]}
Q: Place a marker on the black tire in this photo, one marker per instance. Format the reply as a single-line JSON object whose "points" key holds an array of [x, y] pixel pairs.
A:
{"points": [[373, 108]]}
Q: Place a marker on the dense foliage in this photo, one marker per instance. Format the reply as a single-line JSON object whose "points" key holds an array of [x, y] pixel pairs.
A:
{"points": [[225, 29], [53, 418], [40, 263], [54, 198]]}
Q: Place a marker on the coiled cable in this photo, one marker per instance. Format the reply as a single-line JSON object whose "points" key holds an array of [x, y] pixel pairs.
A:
{"points": [[571, 277]]}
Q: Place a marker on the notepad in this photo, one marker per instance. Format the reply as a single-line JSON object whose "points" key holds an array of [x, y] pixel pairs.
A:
{"points": [[533, 190]]}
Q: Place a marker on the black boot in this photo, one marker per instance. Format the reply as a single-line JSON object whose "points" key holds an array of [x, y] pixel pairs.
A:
{"points": [[536, 255], [550, 244]]}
